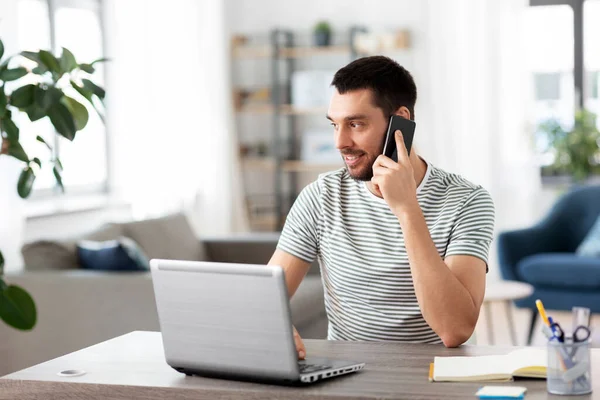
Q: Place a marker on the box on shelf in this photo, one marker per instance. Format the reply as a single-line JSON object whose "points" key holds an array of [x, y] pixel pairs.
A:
{"points": [[311, 88], [318, 147]]}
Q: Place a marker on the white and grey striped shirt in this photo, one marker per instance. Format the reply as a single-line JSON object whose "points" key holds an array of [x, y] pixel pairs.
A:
{"points": [[369, 292]]}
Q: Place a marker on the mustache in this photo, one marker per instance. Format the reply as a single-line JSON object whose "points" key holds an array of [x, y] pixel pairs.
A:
{"points": [[352, 152]]}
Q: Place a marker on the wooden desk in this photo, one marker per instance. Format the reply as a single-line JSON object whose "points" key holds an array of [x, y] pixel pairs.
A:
{"points": [[133, 367]]}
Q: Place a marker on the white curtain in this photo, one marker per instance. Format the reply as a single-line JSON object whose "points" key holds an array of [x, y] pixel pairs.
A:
{"points": [[12, 218], [172, 136], [12, 221], [475, 93]]}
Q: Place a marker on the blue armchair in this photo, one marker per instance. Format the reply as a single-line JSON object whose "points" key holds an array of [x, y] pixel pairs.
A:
{"points": [[544, 256]]}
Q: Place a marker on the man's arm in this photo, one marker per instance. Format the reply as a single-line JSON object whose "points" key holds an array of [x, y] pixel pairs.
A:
{"points": [[298, 244], [295, 270], [450, 291]]}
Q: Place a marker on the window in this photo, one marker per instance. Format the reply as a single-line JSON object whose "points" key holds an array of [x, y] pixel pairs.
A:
{"points": [[563, 59], [591, 38], [549, 35], [76, 25]]}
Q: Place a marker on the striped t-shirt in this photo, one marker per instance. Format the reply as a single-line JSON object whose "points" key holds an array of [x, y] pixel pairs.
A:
{"points": [[369, 292]]}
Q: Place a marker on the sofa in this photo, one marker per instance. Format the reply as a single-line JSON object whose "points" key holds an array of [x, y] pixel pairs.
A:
{"points": [[545, 256], [78, 308]]}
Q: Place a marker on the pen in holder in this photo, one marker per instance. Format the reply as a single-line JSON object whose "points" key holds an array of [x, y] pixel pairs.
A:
{"points": [[569, 367]]}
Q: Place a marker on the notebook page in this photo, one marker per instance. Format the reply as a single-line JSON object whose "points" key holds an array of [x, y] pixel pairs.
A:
{"points": [[529, 357], [465, 367]]}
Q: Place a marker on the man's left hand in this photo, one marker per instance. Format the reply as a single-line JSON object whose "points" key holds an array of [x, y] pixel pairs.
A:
{"points": [[396, 181]]}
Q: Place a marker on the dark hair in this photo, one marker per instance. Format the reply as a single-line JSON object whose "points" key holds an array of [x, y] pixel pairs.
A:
{"points": [[392, 85]]}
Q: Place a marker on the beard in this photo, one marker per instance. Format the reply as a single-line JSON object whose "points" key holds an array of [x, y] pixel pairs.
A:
{"points": [[363, 171]]}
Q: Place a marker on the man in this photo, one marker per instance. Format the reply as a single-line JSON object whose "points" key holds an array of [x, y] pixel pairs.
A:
{"points": [[402, 246]]}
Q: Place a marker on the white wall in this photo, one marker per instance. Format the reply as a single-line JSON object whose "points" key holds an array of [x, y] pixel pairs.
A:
{"points": [[260, 15]]}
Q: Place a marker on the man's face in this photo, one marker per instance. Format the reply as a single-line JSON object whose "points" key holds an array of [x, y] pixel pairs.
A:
{"points": [[359, 128]]}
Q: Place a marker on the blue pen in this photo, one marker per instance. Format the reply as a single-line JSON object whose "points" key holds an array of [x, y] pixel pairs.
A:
{"points": [[557, 332]]}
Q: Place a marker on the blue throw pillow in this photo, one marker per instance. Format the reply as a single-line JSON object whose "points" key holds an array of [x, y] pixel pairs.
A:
{"points": [[122, 254], [590, 247]]}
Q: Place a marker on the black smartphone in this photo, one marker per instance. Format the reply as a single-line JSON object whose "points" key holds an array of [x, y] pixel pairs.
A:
{"points": [[407, 127]]}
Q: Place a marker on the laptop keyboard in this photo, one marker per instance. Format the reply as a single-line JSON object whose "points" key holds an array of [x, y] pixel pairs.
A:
{"points": [[307, 368]]}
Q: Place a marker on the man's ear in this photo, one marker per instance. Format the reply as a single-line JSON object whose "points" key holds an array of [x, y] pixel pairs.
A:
{"points": [[403, 112]]}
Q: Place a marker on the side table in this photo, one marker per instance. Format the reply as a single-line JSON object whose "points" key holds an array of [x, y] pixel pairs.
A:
{"points": [[505, 292]]}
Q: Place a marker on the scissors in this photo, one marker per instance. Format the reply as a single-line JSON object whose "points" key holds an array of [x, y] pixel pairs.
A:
{"points": [[580, 334]]}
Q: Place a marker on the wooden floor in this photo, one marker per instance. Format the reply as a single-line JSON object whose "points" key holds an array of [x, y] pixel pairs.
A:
{"points": [[522, 317]]}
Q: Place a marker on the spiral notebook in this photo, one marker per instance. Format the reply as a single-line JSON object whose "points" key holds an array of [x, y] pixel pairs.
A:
{"points": [[523, 363]]}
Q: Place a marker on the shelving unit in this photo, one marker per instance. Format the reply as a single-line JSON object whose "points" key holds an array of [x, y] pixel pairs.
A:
{"points": [[282, 166], [288, 166], [284, 109], [289, 52]]}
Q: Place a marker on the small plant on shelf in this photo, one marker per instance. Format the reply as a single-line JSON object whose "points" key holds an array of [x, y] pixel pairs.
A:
{"points": [[322, 34]]}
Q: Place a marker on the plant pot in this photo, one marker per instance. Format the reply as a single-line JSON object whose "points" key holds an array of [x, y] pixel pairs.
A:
{"points": [[322, 38]]}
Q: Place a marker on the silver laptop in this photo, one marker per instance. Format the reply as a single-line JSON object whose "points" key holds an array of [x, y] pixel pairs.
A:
{"points": [[232, 321]]}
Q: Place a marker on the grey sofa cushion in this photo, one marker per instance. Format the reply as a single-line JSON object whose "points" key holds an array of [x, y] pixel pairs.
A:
{"points": [[46, 255], [169, 237], [102, 234]]}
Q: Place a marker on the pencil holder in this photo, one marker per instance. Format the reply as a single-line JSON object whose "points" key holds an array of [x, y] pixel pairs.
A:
{"points": [[569, 367]]}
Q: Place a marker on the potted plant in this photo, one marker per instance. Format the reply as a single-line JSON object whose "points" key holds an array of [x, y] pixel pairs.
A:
{"points": [[576, 150], [322, 34], [55, 89]]}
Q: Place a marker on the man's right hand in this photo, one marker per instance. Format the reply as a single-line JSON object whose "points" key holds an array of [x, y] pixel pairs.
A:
{"points": [[299, 345]]}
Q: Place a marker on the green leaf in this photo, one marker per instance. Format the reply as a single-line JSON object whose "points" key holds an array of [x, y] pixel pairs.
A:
{"points": [[16, 150], [89, 96], [31, 55], [58, 178], [3, 102], [99, 60], [23, 96], [13, 74], [41, 139], [35, 113], [17, 308], [1, 54], [1, 264], [40, 70], [25, 183], [45, 97], [50, 61], [83, 91], [58, 164], [78, 110], [99, 114], [67, 60], [87, 68], [37, 161], [91, 86], [63, 121], [12, 131]]}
